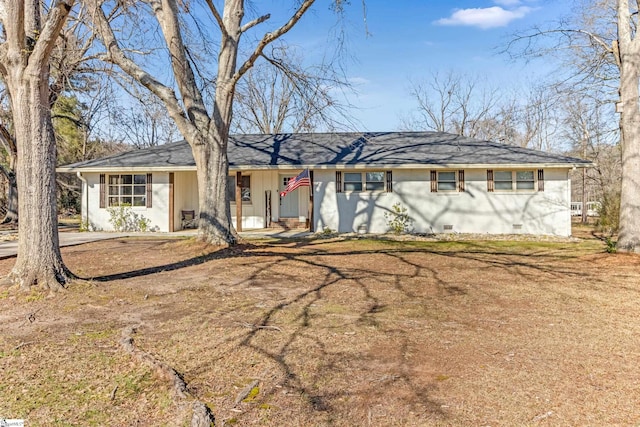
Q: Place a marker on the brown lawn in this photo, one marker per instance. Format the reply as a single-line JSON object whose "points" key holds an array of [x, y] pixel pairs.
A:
{"points": [[337, 332]]}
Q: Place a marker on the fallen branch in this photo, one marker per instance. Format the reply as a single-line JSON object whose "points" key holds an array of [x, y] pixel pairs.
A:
{"points": [[245, 391], [22, 344], [201, 414]]}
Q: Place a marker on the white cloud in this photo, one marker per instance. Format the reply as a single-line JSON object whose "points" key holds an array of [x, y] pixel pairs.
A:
{"points": [[488, 17]]}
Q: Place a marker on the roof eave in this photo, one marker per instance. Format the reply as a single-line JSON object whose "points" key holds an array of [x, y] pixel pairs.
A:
{"points": [[100, 169]]}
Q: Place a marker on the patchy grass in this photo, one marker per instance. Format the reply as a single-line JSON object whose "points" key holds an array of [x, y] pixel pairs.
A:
{"points": [[337, 332]]}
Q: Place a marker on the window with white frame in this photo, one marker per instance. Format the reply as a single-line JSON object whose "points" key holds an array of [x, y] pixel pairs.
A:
{"points": [[127, 190], [245, 188]]}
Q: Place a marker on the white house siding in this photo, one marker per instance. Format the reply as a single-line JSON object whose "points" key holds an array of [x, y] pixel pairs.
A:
{"points": [[98, 219], [253, 213], [473, 211], [185, 196]]}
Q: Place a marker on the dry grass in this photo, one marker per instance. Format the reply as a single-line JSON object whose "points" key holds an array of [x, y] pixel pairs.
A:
{"points": [[338, 332]]}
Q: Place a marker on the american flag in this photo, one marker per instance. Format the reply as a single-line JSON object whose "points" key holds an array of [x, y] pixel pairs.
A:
{"points": [[302, 180]]}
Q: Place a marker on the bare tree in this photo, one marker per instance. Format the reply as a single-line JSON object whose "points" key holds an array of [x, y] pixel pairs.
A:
{"points": [[205, 127], [145, 123], [600, 49], [280, 95], [587, 127], [25, 52], [540, 118], [627, 54], [454, 103]]}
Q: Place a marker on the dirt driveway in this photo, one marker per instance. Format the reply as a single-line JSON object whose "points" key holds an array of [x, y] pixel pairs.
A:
{"points": [[329, 332]]}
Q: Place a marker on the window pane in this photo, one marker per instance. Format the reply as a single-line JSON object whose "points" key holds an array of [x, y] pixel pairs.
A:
{"points": [[140, 179], [126, 179], [375, 186], [525, 185], [139, 201], [113, 201], [139, 190], [352, 186], [524, 176], [126, 201], [113, 190], [127, 190], [246, 188], [353, 177], [446, 186], [374, 176], [502, 176], [113, 179], [447, 176], [502, 185]]}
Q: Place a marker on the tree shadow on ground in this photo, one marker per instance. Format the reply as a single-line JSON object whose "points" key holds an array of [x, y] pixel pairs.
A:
{"points": [[299, 314]]}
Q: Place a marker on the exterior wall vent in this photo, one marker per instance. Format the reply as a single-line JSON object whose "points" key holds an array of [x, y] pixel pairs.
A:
{"points": [[517, 226], [448, 227]]}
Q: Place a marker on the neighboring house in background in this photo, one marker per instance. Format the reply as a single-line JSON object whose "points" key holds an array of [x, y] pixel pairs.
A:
{"points": [[446, 182]]}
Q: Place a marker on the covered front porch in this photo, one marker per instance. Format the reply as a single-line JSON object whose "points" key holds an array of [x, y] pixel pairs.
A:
{"points": [[261, 205]]}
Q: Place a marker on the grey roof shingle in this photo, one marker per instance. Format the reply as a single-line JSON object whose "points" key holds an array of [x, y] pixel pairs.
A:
{"points": [[338, 149]]}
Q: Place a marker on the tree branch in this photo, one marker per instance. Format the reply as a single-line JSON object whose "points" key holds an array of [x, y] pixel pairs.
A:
{"points": [[255, 22], [217, 17], [49, 35], [115, 55], [269, 37]]}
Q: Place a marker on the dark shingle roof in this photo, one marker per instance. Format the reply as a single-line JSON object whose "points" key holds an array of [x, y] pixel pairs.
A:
{"points": [[339, 149]]}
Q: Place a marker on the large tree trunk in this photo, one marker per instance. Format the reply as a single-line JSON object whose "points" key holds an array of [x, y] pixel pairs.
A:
{"points": [[39, 261], [211, 159], [629, 61], [24, 65], [215, 225]]}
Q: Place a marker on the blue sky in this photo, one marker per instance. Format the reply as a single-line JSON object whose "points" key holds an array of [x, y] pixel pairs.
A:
{"points": [[410, 39]]}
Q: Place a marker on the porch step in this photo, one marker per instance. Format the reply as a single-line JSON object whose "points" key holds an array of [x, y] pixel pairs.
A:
{"points": [[290, 224]]}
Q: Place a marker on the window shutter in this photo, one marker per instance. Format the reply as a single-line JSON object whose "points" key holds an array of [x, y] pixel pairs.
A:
{"points": [[103, 191], [338, 182], [490, 186], [540, 179], [461, 181], [434, 181], [389, 187], [149, 190]]}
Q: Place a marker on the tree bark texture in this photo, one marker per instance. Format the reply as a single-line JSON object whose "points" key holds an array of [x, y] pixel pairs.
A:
{"points": [[25, 69], [9, 144], [629, 61], [11, 216]]}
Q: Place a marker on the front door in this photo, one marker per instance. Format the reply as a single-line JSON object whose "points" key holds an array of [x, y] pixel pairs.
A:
{"points": [[288, 203]]}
